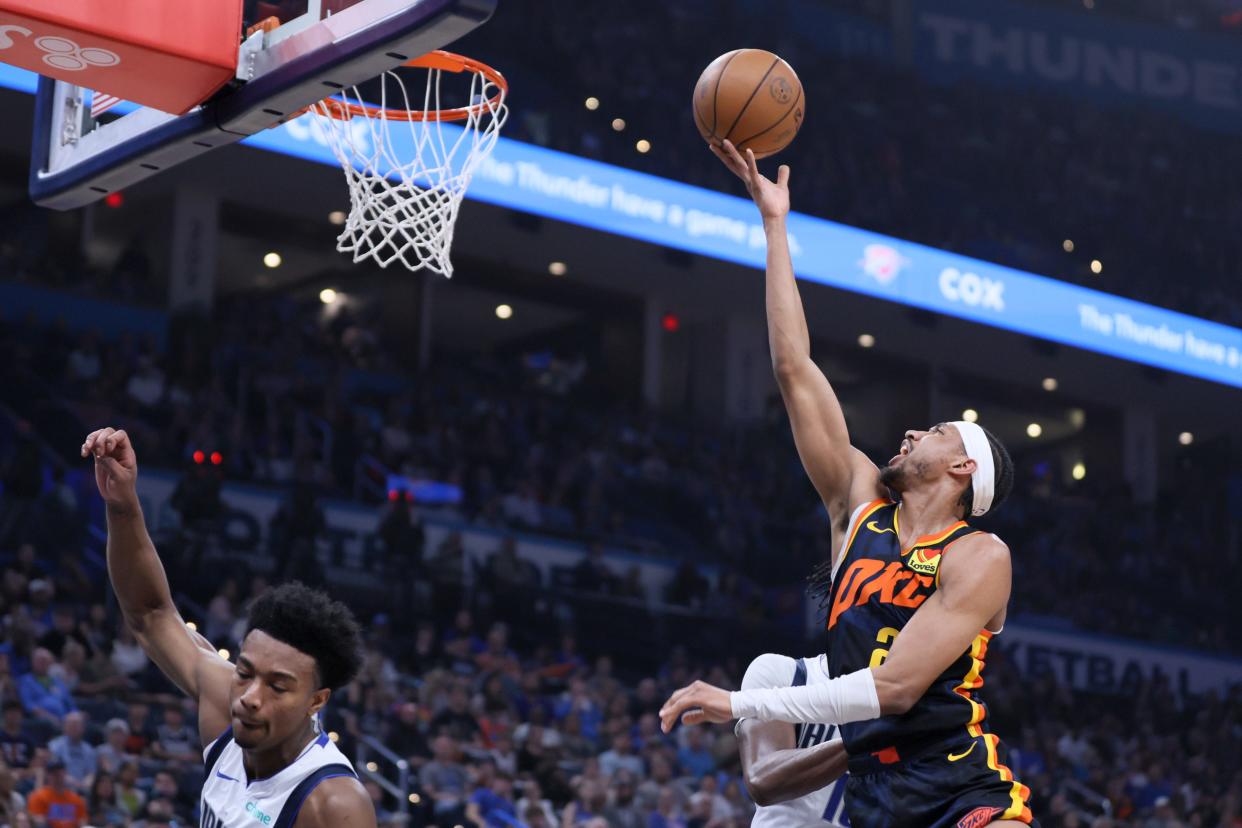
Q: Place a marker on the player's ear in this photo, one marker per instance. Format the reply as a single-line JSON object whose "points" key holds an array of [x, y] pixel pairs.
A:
{"points": [[318, 699], [963, 466]]}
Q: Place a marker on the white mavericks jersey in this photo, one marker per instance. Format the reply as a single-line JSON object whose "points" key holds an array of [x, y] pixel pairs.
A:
{"points": [[818, 809], [230, 800]]}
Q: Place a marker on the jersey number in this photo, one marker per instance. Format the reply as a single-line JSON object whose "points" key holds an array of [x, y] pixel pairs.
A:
{"points": [[834, 813], [884, 636]]}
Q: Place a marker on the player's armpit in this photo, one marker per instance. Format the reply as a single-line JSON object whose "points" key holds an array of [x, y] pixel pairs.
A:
{"points": [[339, 802], [776, 771], [201, 673], [975, 579]]}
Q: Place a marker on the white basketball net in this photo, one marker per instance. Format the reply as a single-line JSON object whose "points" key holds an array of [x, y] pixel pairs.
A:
{"points": [[407, 178]]}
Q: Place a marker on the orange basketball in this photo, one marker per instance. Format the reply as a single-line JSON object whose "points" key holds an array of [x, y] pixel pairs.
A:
{"points": [[750, 97]]}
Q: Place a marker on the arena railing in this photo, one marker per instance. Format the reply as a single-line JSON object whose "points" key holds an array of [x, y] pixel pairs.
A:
{"points": [[368, 768]]}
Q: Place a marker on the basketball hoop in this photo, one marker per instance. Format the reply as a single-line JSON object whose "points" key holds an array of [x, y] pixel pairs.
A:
{"points": [[407, 171]]}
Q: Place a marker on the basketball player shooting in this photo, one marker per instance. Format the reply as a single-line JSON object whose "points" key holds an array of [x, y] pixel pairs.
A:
{"points": [[916, 592], [267, 762]]}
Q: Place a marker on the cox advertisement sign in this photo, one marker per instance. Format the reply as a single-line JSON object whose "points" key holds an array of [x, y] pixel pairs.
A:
{"points": [[656, 210]]}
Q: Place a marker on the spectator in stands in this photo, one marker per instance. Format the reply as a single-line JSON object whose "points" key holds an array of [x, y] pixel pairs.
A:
{"points": [[165, 787], [73, 751], [447, 570], [444, 779], [12, 804], [15, 743], [592, 574], [533, 799], [42, 595], [401, 530], [54, 805], [112, 753], [666, 813], [146, 386], [127, 654], [505, 570], [620, 757], [491, 803], [175, 740], [42, 694], [197, 497], [456, 720], [589, 804], [101, 802], [141, 735], [222, 611], [694, 757], [521, 507], [129, 797], [406, 736], [68, 671], [624, 812]]}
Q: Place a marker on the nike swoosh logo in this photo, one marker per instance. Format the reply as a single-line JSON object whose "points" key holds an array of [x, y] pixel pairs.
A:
{"points": [[953, 757], [875, 527], [229, 778]]}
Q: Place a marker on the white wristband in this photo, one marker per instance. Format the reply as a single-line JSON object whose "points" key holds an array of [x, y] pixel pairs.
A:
{"points": [[850, 698]]}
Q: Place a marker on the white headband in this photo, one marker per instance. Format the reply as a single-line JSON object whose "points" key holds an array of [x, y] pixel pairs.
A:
{"points": [[983, 480]]}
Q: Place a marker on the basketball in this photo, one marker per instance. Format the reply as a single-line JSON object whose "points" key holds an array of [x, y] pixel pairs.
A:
{"points": [[752, 98]]}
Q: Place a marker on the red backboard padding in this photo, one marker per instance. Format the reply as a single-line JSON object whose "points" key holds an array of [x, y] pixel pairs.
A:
{"points": [[166, 55]]}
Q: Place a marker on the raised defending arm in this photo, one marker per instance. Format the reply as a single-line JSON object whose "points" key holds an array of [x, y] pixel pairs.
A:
{"points": [[142, 588]]}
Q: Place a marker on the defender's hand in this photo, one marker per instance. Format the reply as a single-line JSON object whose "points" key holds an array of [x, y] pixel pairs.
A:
{"points": [[772, 199], [700, 702], [116, 466]]}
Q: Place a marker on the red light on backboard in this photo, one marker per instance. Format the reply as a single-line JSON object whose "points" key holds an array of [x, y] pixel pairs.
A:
{"points": [[199, 457], [114, 200], [671, 322]]}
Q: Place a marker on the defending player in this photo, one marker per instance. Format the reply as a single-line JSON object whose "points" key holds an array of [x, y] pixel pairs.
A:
{"points": [[792, 772], [267, 762], [916, 592]]}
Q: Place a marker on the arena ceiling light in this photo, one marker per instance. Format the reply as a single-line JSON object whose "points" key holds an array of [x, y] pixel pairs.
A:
{"points": [[970, 415], [328, 296], [643, 146], [336, 217], [1185, 438], [1049, 383], [1097, 266], [504, 311], [1079, 471], [866, 340], [272, 259], [557, 268], [1068, 245], [592, 103], [1034, 430], [618, 124]]}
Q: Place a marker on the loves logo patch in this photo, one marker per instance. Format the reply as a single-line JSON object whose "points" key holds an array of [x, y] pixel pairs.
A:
{"points": [[924, 561]]}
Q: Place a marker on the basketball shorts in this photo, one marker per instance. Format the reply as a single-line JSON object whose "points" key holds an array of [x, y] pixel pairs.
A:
{"points": [[959, 783]]}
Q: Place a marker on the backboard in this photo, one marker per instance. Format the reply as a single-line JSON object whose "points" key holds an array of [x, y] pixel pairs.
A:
{"points": [[292, 53]]}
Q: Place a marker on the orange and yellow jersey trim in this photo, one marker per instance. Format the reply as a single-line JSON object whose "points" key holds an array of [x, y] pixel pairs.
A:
{"points": [[877, 588]]}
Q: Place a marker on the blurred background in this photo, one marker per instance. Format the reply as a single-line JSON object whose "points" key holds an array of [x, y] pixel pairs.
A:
{"points": [[563, 483]]}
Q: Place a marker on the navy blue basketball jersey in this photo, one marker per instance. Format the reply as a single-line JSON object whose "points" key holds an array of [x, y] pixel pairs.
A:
{"points": [[876, 589]]}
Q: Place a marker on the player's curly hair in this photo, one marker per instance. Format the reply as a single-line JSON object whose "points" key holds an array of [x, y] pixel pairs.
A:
{"points": [[1004, 477], [311, 622]]}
